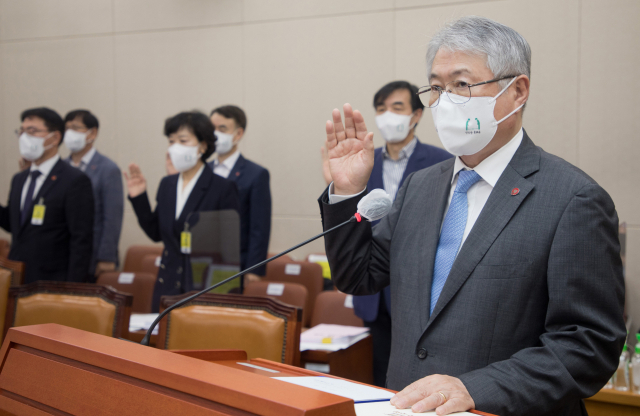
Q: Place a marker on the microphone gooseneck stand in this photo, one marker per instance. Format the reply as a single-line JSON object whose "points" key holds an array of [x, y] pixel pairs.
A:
{"points": [[145, 340]]}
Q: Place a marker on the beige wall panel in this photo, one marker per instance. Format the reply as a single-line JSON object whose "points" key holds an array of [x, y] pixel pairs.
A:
{"points": [[295, 73], [609, 147], [134, 15], [82, 78], [426, 3], [258, 10], [28, 19], [289, 231], [550, 27], [160, 74]]}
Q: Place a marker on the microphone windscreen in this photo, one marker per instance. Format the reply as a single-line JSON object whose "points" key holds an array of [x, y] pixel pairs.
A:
{"points": [[375, 205]]}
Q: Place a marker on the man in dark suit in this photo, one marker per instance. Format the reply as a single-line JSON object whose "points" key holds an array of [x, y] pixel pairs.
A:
{"points": [[106, 180], [398, 111], [50, 209], [230, 123], [504, 263]]}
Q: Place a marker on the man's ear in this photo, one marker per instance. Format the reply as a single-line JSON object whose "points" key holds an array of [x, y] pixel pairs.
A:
{"points": [[522, 90], [93, 133], [417, 116], [56, 138], [240, 134]]}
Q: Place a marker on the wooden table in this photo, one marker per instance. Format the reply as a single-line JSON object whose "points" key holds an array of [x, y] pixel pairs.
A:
{"points": [[613, 402], [353, 363]]}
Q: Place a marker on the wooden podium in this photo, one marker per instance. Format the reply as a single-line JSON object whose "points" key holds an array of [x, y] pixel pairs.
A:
{"points": [[56, 370]]}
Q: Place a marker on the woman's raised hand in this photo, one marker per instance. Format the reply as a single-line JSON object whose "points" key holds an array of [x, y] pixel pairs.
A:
{"points": [[136, 183]]}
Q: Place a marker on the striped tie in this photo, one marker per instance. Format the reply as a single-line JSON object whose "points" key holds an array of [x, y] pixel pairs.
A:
{"points": [[452, 231]]}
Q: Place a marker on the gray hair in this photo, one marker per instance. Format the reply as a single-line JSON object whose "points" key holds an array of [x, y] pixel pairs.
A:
{"points": [[505, 50]]}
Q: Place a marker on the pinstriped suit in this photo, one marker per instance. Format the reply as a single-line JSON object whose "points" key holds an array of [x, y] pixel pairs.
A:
{"points": [[530, 317]]}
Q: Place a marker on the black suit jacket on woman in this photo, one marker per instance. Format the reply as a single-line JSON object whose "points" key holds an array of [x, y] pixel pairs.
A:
{"points": [[210, 193], [60, 248]]}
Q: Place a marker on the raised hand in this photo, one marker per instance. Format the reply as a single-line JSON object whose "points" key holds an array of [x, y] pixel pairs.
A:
{"points": [[350, 148], [136, 183], [326, 172]]}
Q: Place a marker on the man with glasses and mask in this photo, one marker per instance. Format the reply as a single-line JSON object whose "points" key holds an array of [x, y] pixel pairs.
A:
{"points": [[50, 209], [504, 263], [398, 111], [106, 180]]}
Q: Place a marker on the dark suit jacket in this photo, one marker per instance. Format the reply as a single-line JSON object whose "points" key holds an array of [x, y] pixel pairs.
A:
{"points": [[255, 211], [210, 193], [423, 156], [106, 181], [530, 317], [60, 248]]}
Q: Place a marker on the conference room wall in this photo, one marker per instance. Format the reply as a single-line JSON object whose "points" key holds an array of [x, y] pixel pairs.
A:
{"points": [[288, 63]]}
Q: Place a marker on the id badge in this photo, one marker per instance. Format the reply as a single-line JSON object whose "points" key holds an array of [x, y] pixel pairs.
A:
{"points": [[37, 218], [185, 242]]}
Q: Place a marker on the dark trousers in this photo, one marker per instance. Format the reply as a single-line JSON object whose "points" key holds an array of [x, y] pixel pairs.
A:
{"points": [[380, 330]]}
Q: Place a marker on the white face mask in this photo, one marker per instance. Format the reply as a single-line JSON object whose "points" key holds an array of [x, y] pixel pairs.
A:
{"points": [[32, 147], [224, 142], [75, 140], [183, 157], [394, 127], [465, 129]]}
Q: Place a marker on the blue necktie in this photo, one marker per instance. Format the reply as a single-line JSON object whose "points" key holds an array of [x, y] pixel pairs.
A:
{"points": [[452, 231], [28, 201]]}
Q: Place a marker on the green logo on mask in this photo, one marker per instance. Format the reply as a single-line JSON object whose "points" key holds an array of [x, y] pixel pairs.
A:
{"points": [[473, 125]]}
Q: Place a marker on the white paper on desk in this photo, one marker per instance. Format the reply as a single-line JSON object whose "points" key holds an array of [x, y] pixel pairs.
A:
{"points": [[335, 333], [386, 409], [143, 321], [334, 346], [344, 388]]}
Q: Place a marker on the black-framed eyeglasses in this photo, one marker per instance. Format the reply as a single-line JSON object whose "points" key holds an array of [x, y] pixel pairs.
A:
{"points": [[29, 130], [459, 92]]}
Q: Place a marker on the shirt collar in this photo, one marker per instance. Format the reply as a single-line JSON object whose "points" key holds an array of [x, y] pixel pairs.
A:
{"points": [[229, 162], [193, 180], [88, 156], [46, 166], [406, 151], [492, 167]]}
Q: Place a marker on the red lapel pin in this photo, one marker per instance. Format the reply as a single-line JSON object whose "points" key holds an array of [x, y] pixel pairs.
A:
{"points": [[237, 173], [515, 191], [54, 177]]}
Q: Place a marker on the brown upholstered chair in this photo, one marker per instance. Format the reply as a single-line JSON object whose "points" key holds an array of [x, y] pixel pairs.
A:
{"points": [[5, 284], [150, 264], [290, 293], [140, 285], [135, 254], [16, 268], [85, 306], [263, 327], [5, 247], [331, 308], [307, 274]]}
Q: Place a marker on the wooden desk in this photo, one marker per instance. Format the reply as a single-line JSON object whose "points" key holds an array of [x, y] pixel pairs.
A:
{"points": [[613, 402], [353, 363]]}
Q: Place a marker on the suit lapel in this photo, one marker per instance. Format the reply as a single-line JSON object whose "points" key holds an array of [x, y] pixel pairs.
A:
{"points": [[16, 199], [51, 180], [195, 198], [376, 181], [238, 170], [495, 215], [433, 198], [416, 160]]}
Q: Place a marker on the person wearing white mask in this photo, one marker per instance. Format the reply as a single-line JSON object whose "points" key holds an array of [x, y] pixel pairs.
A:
{"points": [[398, 111], [194, 188], [81, 132], [230, 123], [507, 293], [51, 208]]}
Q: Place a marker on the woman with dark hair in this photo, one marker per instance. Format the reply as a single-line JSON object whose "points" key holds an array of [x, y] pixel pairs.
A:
{"points": [[195, 188]]}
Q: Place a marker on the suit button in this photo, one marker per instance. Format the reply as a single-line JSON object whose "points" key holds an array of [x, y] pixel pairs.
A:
{"points": [[179, 270], [178, 285], [161, 280], [166, 252], [162, 266], [422, 354]]}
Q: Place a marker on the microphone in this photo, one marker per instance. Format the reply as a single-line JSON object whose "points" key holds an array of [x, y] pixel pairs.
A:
{"points": [[372, 207]]}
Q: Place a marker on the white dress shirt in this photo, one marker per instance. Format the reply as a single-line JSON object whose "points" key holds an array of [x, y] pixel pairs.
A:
{"points": [[489, 170], [224, 169], [183, 194], [84, 162], [44, 168], [393, 170]]}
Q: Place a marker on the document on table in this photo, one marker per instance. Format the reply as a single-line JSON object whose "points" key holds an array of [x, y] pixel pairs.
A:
{"points": [[358, 392], [386, 409], [142, 321]]}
